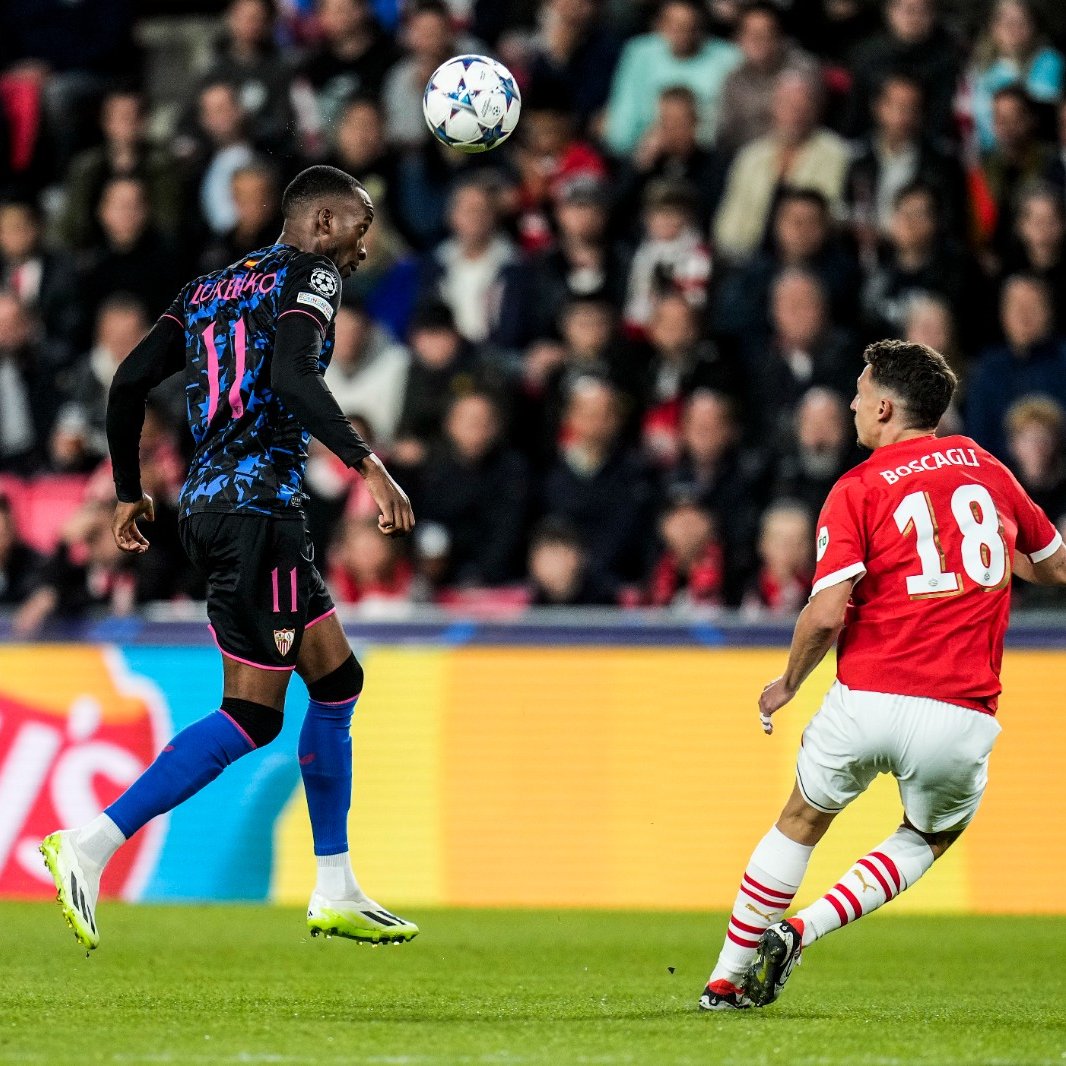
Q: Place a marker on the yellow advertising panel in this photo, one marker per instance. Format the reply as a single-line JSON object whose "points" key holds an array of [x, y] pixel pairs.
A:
{"points": [[635, 777]]}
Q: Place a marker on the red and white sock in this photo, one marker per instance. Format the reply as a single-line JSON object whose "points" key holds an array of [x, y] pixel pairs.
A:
{"points": [[769, 883], [875, 879]]}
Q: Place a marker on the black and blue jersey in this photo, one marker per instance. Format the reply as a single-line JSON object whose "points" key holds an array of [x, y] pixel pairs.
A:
{"points": [[250, 448]]}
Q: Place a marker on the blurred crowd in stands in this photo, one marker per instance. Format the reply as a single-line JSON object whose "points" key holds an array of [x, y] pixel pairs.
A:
{"points": [[611, 361]]}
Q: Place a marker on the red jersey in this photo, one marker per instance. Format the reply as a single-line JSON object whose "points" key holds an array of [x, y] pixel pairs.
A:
{"points": [[931, 526]]}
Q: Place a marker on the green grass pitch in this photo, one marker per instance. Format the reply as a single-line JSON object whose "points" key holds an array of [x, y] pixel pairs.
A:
{"points": [[248, 985]]}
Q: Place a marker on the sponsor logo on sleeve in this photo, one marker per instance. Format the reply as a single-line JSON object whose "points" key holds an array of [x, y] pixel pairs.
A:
{"points": [[323, 281], [322, 306], [823, 542]]}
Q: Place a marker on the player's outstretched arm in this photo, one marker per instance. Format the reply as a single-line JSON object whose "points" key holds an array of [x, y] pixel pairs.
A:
{"points": [[296, 378], [1049, 571], [160, 354], [816, 631]]}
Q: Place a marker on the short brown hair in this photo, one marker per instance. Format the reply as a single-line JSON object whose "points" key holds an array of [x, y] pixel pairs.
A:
{"points": [[1042, 411], [918, 375]]}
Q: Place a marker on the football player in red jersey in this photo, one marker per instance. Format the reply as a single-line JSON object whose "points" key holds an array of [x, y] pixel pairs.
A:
{"points": [[915, 550]]}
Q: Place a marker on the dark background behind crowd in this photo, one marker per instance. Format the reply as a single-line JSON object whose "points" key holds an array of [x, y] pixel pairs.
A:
{"points": [[611, 361]]}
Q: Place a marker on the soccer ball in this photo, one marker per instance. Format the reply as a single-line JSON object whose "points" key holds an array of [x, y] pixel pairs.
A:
{"points": [[472, 103]]}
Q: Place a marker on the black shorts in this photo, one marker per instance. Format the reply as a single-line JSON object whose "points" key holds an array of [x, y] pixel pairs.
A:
{"points": [[263, 590]]}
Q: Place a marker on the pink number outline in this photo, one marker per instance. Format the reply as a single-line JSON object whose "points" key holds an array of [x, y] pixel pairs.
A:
{"points": [[240, 349]]}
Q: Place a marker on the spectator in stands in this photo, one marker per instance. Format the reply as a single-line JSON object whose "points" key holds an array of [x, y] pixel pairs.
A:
{"points": [[43, 281], [86, 570], [690, 570], [248, 59], [120, 324], [1039, 247], [823, 448], [478, 489], [443, 366], [678, 52], [1012, 52], [589, 346], [366, 567], [468, 270], [894, 155], [75, 53], [132, 257], [125, 153], [725, 479], [1056, 168], [672, 256], [368, 372], [223, 146], [359, 147], [431, 550], [796, 152], [352, 59], [428, 39], [670, 150], [682, 362], [27, 391], [805, 350], [575, 46], [256, 191], [1033, 360], [1036, 432], [747, 95], [19, 563], [783, 582], [915, 43], [74, 446], [599, 486], [549, 159], [560, 574], [801, 236], [1017, 160], [582, 263], [917, 260], [930, 321]]}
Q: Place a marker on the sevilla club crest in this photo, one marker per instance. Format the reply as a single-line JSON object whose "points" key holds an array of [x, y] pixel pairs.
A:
{"points": [[283, 638]]}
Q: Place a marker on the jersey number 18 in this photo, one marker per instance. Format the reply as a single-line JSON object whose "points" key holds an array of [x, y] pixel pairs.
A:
{"points": [[984, 553]]}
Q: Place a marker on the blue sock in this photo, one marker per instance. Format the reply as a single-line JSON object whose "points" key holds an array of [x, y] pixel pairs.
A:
{"points": [[326, 764], [194, 758]]}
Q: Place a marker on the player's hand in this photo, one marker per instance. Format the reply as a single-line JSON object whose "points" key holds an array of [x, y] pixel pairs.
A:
{"points": [[396, 517], [124, 525], [773, 698]]}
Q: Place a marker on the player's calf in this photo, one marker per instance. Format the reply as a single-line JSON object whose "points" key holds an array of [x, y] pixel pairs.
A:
{"points": [[875, 879]]}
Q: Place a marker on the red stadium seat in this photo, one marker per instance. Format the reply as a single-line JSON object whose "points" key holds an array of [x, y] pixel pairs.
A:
{"points": [[21, 99], [50, 503]]}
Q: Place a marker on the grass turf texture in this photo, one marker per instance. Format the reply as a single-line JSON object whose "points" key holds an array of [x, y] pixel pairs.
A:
{"points": [[247, 984]]}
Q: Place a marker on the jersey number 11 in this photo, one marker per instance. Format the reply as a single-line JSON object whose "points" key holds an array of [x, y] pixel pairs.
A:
{"points": [[238, 336]]}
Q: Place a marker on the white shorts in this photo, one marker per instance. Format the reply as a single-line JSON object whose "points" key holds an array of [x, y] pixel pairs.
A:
{"points": [[937, 752]]}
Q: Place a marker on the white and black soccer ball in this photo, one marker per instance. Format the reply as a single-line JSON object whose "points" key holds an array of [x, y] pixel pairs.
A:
{"points": [[472, 103]]}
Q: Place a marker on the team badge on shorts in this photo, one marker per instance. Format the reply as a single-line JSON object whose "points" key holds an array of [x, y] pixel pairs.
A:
{"points": [[283, 638], [323, 281]]}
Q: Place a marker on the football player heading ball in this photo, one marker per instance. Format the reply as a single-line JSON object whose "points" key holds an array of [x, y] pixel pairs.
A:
{"points": [[252, 341]]}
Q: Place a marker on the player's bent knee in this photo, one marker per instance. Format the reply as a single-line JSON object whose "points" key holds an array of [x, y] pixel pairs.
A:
{"points": [[261, 724], [340, 685]]}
